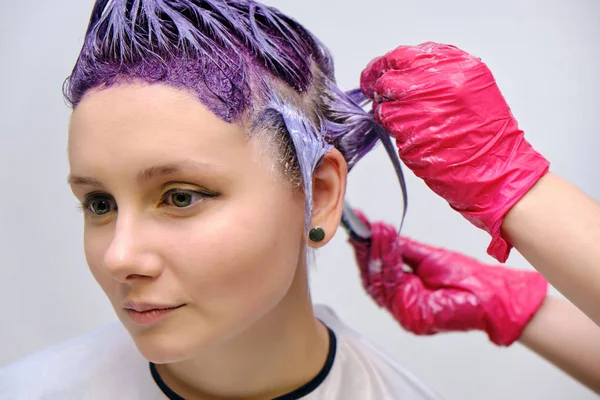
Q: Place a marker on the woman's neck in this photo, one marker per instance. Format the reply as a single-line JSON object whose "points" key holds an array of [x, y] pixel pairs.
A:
{"points": [[282, 351]]}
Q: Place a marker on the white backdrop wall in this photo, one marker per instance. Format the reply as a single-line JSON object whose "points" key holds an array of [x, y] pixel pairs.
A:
{"points": [[545, 55]]}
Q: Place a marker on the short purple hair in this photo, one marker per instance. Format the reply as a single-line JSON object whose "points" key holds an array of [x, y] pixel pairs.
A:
{"points": [[228, 53]]}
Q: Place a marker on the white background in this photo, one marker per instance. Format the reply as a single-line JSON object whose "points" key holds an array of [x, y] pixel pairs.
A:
{"points": [[545, 55]]}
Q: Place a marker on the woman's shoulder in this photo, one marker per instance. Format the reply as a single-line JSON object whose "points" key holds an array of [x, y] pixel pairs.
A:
{"points": [[364, 371], [89, 366]]}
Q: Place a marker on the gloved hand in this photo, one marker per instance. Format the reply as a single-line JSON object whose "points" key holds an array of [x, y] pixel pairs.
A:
{"points": [[446, 291], [455, 131]]}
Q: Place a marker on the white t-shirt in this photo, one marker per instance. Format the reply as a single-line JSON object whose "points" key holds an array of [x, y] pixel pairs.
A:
{"points": [[106, 365]]}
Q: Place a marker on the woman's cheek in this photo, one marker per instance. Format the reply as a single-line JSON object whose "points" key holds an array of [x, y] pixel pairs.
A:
{"points": [[244, 272]]}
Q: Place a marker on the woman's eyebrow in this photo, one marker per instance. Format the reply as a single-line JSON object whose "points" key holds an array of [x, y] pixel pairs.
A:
{"points": [[149, 173], [161, 170], [82, 181]]}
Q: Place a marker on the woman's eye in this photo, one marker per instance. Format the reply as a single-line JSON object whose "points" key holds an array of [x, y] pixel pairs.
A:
{"points": [[100, 205], [182, 198]]}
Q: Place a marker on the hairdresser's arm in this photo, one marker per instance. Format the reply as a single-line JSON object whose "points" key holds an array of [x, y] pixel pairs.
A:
{"points": [[563, 335], [451, 292], [455, 130], [557, 229]]}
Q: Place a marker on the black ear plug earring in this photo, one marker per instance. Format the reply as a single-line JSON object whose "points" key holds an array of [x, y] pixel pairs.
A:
{"points": [[316, 234]]}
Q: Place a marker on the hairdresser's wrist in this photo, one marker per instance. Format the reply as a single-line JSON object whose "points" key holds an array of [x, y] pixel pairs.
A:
{"points": [[535, 326], [557, 322], [556, 227], [530, 212]]}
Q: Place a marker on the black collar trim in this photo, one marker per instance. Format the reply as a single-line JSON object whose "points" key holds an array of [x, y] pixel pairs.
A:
{"points": [[299, 393]]}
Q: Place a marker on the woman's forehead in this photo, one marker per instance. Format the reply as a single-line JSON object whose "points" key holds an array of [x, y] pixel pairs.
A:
{"points": [[151, 110], [132, 127], [152, 119]]}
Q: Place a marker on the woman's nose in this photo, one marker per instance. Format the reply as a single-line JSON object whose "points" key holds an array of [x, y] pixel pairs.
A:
{"points": [[130, 254]]}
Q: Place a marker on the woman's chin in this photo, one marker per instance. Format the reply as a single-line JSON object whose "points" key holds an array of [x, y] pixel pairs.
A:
{"points": [[167, 349], [171, 344]]}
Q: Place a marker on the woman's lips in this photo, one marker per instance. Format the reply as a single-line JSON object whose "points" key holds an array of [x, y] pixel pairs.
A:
{"points": [[148, 315]]}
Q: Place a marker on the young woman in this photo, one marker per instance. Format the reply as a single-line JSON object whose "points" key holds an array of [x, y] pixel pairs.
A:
{"points": [[209, 146]]}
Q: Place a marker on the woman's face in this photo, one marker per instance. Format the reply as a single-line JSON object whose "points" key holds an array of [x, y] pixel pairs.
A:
{"points": [[182, 213]]}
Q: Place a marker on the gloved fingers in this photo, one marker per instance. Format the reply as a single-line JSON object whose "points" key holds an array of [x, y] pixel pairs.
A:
{"points": [[362, 256], [426, 54], [423, 311], [438, 267], [415, 252], [380, 260], [404, 58], [404, 85], [385, 257], [398, 59], [383, 288]]}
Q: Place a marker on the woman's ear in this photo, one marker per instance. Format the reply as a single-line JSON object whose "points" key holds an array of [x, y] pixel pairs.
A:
{"points": [[329, 190]]}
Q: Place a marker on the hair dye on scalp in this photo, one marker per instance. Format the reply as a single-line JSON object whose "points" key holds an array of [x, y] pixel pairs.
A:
{"points": [[230, 54]]}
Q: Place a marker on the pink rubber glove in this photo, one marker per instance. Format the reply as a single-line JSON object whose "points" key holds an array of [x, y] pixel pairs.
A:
{"points": [[448, 291], [455, 131]]}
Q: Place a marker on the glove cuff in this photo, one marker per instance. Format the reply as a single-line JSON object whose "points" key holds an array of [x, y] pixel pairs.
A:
{"points": [[507, 317], [491, 220]]}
